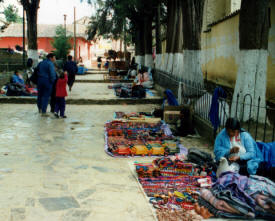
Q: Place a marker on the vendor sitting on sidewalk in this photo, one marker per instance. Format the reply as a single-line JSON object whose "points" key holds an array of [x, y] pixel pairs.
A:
{"points": [[238, 147], [145, 79], [18, 79]]}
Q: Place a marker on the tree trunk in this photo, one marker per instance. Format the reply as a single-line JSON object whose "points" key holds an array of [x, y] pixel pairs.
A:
{"points": [[170, 36], [158, 58], [148, 41], [192, 27], [251, 78], [139, 44], [178, 42], [31, 8]]}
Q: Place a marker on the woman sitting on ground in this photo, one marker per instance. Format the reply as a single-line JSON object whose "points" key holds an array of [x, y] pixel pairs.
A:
{"points": [[144, 78], [18, 79], [239, 147]]}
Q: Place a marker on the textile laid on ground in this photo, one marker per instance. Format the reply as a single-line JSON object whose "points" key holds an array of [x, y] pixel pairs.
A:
{"points": [[177, 188], [140, 137], [173, 185], [236, 196]]}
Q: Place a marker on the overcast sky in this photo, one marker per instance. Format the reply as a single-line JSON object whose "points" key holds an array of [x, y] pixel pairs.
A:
{"points": [[52, 11]]}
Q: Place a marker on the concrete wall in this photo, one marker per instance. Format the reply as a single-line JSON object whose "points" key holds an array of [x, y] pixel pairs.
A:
{"points": [[45, 44], [220, 53]]}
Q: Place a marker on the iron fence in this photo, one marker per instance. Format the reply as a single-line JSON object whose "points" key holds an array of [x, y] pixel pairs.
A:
{"points": [[257, 119]]}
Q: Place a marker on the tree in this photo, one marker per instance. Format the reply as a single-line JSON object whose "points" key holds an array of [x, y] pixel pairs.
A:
{"points": [[253, 44], [31, 8], [192, 28], [137, 17], [11, 14], [174, 37], [61, 43], [183, 40]]}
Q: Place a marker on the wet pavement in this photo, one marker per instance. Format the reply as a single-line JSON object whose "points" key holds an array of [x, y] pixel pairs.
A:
{"points": [[56, 169], [90, 77]]}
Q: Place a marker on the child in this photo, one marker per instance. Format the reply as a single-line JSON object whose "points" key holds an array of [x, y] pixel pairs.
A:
{"points": [[61, 93]]}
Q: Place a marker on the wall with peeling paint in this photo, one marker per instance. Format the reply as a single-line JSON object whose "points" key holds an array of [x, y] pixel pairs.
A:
{"points": [[220, 53]]}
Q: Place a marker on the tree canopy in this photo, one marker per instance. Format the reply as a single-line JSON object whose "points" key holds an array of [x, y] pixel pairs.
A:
{"points": [[11, 14]]}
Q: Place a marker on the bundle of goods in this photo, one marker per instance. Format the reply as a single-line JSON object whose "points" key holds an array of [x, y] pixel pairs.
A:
{"points": [[128, 90], [134, 115], [139, 137], [167, 167], [240, 197]]}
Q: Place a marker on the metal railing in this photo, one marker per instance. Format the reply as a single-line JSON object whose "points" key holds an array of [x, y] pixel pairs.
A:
{"points": [[255, 118]]}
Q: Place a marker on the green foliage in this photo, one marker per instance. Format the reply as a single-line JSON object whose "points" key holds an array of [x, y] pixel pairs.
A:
{"points": [[61, 43], [115, 16], [11, 14]]}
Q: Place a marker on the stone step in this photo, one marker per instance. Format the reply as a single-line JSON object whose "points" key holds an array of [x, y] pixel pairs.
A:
{"points": [[96, 72], [115, 101], [102, 81]]}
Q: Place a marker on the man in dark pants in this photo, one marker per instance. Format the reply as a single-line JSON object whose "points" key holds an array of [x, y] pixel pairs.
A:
{"points": [[71, 67], [46, 78]]}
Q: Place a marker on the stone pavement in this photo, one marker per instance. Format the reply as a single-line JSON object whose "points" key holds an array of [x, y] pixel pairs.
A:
{"points": [[91, 93], [96, 78], [56, 169]]}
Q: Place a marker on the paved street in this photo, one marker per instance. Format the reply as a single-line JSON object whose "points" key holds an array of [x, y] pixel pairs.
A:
{"points": [[56, 170]]}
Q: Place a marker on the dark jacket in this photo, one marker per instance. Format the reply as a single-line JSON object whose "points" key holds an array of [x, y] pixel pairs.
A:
{"points": [[70, 67]]}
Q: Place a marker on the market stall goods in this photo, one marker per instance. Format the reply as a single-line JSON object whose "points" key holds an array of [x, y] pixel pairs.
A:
{"points": [[139, 136]]}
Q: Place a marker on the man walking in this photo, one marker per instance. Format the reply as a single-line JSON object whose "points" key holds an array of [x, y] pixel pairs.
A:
{"points": [[46, 79], [71, 68]]}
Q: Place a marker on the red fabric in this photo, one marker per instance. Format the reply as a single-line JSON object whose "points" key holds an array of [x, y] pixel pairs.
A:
{"points": [[61, 85]]}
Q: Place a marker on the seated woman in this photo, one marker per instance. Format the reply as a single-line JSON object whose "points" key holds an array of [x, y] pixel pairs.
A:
{"points": [[144, 78], [18, 79], [238, 146]]}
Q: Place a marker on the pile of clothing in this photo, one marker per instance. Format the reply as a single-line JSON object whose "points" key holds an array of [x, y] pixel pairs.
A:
{"points": [[185, 184], [128, 90], [236, 196]]}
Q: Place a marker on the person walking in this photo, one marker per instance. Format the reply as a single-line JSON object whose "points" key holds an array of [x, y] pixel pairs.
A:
{"points": [[71, 68], [99, 61], [45, 81], [61, 93]]}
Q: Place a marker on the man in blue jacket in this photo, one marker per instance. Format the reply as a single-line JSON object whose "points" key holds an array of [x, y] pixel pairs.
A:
{"points": [[46, 78], [238, 146]]}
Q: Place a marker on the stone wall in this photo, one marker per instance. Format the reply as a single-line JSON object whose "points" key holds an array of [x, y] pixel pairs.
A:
{"points": [[5, 78]]}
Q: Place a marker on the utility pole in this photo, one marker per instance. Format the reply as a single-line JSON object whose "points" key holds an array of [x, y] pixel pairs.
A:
{"points": [[24, 46], [65, 17], [74, 36]]}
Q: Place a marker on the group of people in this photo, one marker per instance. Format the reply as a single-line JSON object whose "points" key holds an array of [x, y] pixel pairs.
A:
{"points": [[52, 83]]}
